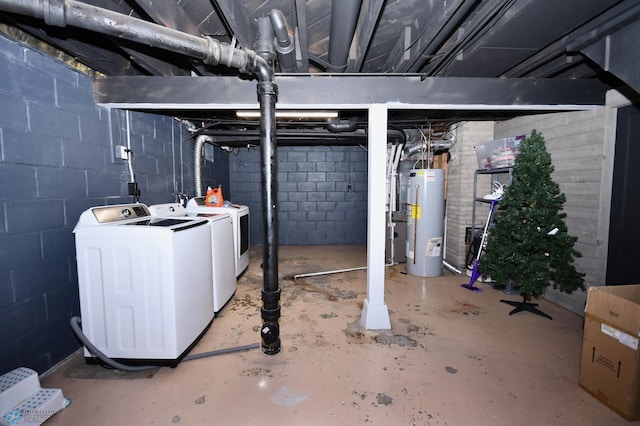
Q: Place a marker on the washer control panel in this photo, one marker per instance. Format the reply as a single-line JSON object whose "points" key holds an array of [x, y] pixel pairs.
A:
{"points": [[121, 212]]}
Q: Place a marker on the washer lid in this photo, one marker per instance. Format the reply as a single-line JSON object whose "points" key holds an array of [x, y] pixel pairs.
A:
{"points": [[175, 224], [168, 210]]}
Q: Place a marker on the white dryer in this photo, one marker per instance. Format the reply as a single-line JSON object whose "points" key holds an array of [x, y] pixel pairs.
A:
{"points": [[222, 260], [144, 283], [240, 216]]}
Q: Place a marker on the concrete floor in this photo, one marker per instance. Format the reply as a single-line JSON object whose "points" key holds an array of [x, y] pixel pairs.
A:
{"points": [[452, 357]]}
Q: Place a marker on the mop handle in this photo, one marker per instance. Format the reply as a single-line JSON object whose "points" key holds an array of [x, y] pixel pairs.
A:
{"points": [[486, 226]]}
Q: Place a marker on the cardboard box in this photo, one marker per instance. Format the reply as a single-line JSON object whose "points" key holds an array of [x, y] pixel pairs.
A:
{"points": [[499, 153], [610, 361]]}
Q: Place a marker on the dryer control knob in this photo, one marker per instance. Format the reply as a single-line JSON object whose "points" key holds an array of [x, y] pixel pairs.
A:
{"points": [[125, 212]]}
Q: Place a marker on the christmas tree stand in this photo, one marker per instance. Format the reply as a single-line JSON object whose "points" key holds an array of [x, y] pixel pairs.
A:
{"points": [[525, 306]]}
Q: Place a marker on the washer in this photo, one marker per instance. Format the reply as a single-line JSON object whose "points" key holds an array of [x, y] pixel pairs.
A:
{"points": [[144, 283], [222, 261], [240, 217]]}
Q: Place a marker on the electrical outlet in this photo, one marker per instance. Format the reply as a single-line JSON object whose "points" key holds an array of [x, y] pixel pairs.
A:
{"points": [[121, 152]]}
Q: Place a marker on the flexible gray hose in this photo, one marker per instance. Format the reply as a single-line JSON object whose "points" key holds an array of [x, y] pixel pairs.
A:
{"points": [[222, 351], [75, 326]]}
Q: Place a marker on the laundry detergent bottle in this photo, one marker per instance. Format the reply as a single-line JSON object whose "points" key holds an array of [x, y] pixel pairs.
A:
{"points": [[214, 197]]}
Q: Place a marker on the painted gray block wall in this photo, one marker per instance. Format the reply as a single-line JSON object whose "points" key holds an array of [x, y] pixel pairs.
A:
{"points": [[322, 193], [56, 160], [459, 204], [215, 171]]}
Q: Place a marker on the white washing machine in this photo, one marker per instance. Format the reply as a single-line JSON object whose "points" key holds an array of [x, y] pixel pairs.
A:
{"points": [[240, 216], [144, 283], [222, 261]]}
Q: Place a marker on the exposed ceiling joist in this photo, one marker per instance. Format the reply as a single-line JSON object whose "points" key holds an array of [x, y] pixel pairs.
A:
{"points": [[302, 47], [170, 14], [610, 21], [427, 41], [367, 21], [236, 17], [619, 53], [488, 45]]}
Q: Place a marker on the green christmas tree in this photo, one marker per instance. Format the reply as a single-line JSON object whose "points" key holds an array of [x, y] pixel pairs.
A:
{"points": [[529, 243]]}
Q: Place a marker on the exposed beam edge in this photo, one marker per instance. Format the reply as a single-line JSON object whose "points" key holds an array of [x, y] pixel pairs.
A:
{"points": [[391, 106], [350, 92]]}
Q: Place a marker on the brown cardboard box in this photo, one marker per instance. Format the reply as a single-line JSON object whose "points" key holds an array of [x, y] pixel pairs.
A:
{"points": [[610, 362]]}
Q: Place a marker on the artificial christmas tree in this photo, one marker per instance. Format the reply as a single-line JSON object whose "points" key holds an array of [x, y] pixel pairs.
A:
{"points": [[529, 243]]}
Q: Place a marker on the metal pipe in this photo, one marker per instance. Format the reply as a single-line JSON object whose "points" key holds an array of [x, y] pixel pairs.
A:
{"points": [[336, 271], [339, 126], [344, 17], [284, 43], [264, 44], [437, 144], [212, 52], [64, 13], [270, 312], [451, 267]]}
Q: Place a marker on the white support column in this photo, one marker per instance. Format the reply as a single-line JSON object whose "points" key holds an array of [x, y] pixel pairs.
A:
{"points": [[375, 314]]}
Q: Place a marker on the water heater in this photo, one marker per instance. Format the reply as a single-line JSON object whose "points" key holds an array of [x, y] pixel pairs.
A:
{"points": [[425, 222]]}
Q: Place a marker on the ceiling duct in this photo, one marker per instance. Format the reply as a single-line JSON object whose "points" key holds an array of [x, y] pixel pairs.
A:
{"points": [[344, 16], [284, 43], [339, 126]]}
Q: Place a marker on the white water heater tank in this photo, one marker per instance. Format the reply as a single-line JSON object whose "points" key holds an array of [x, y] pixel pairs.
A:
{"points": [[425, 222]]}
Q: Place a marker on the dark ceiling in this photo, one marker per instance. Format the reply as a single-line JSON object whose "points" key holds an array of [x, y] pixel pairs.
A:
{"points": [[532, 39]]}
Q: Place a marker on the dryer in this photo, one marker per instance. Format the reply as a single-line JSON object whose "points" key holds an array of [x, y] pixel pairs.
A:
{"points": [[222, 259], [240, 217], [144, 283]]}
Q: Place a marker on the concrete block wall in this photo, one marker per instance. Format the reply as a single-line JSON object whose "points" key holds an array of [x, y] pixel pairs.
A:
{"points": [[215, 171], [56, 160], [462, 165], [322, 193]]}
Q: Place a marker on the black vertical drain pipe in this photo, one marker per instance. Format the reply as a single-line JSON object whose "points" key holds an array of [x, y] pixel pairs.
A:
{"points": [[267, 97], [78, 14]]}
